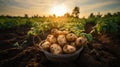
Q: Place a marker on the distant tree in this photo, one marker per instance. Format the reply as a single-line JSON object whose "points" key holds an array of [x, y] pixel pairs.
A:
{"points": [[26, 16], [8, 16], [35, 16], [108, 15], [115, 14], [76, 12], [91, 15], [98, 15], [118, 13], [67, 15], [43, 16], [54, 15]]}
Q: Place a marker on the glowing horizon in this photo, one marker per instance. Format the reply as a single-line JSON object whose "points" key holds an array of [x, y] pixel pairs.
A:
{"points": [[59, 10], [44, 7]]}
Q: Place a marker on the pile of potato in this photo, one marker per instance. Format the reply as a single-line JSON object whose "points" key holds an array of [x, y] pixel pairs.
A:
{"points": [[63, 42]]}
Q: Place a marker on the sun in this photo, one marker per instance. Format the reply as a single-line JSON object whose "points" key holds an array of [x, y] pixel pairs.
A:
{"points": [[59, 10]]}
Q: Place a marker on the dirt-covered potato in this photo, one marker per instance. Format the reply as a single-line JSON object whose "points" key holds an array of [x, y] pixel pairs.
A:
{"points": [[65, 32], [57, 32], [51, 38], [69, 49], [54, 32], [81, 41], [71, 37], [45, 45], [55, 49], [61, 40], [60, 32]]}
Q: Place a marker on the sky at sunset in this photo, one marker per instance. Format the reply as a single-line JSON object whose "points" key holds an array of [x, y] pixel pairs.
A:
{"points": [[48, 7]]}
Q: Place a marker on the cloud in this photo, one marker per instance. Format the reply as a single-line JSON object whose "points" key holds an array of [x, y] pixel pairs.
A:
{"points": [[42, 7], [102, 7], [97, 5], [22, 7]]}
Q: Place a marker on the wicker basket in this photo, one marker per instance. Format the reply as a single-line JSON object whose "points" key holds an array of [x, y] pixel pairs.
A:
{"points": [[61, 57]]}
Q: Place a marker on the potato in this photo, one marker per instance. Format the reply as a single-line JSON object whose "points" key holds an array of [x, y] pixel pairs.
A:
{"points": [[71, 37], [69, 49], [55, 49], [51, 38], [60, 32], [45, 45], [61, 40], [65, 32], [54, 32], [81, 41]]}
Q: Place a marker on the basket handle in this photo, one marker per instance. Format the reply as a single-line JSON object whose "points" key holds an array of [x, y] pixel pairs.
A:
{"points": [[40, 45], [37, 45]]}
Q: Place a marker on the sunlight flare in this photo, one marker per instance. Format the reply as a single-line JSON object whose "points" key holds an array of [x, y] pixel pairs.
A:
{"points": [[59, 10]]}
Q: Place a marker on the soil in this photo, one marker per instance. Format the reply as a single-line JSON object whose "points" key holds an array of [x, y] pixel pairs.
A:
{"points": [[103, 51]]}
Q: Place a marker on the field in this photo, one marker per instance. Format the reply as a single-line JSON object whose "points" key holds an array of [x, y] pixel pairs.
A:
{"points": [[20, 35]]}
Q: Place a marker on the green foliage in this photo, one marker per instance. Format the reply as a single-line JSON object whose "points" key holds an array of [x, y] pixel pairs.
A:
{"points": [[7, 23], [88, 36], [106, 26], [91, 20], [39, 28], [74, 27]]}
